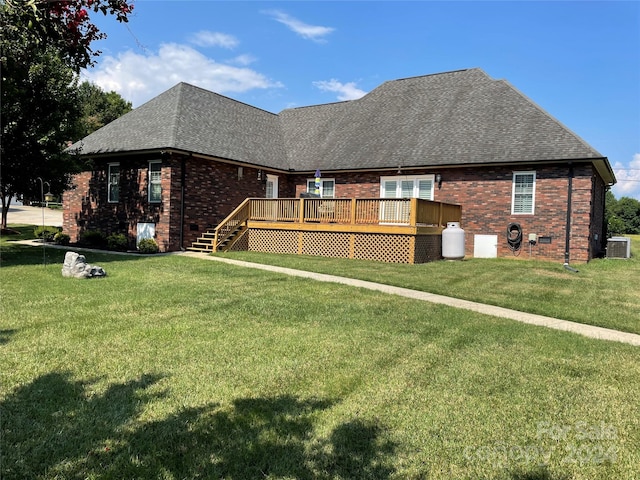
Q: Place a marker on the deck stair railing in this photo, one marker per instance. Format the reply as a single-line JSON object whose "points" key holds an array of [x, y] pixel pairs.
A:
{"points": [[228, 231]]}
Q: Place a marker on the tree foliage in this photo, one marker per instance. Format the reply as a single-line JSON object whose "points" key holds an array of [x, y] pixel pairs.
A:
{"points": [[63, 25], [99, 108], [623, 216], [43, 46]]}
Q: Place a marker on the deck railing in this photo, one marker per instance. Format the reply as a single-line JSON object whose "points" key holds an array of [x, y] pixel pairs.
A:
{"points": [[413, 212], [356, 211]]}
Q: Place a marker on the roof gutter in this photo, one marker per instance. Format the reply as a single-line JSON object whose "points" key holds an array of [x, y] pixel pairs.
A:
{"points": [[183, 176]]}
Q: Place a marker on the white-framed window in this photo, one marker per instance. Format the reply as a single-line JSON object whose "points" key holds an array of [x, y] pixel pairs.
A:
{"points": [[113, 183], [523, 196], [155, 181], [327, 187], [407, 186]]}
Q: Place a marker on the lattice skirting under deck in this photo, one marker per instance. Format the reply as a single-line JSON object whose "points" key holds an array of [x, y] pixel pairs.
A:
{"points": [[364, 246]]}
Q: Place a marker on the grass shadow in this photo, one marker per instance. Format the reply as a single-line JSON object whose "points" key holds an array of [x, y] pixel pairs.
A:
{"points": [[6, 334], [55, 428], [541, 473], [52, 427]]}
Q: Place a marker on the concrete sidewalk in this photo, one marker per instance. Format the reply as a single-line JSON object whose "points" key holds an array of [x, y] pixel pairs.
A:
{"points": [[539, 320]]}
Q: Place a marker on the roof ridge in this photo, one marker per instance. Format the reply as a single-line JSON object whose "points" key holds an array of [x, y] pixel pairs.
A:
{"points": [[211, 92], [437, 74], [177, 113]]}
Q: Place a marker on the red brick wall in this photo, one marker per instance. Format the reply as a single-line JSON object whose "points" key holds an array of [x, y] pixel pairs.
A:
{"points": [[485, 195], [86, 206], [213, 189]]}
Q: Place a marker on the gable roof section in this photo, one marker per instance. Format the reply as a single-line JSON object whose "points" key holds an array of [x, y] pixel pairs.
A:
{"points": [[455, 118], [448, 119], [193, 120]]}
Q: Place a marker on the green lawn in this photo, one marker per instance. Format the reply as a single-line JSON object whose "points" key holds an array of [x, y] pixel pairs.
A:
{"points": [[174, 367], [604, 292]]}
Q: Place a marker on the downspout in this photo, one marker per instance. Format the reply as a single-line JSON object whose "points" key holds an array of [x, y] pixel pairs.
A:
{"points": [[567, 242], [183, 167]]}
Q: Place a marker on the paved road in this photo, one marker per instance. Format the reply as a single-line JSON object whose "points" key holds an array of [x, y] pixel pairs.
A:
{"points": [[19, 214]]}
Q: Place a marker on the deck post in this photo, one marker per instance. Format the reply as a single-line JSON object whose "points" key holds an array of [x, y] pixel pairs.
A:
{"points": [[413, 213], [301, 215], [353, 211]]}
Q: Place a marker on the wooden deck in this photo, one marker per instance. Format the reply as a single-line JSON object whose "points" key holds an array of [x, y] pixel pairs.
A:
{"points": [[393, 230]]}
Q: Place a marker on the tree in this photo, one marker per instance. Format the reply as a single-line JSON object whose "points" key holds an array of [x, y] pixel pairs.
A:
{"points": [[622, 216], [40, 112], [628, 210], [99, 107], [43, 46]]}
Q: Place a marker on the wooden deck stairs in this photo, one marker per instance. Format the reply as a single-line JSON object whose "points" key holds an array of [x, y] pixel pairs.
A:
{"points": [[205, 243], [227, 233]]}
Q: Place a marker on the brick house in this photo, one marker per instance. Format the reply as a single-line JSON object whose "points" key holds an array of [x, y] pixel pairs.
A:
{"points": [[183, 161]]}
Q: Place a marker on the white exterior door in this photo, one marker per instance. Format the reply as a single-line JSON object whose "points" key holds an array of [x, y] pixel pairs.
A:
{"points": [[272, 186], [403, 186]]}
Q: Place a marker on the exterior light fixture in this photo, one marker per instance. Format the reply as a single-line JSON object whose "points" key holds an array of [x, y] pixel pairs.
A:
{"points": [[439, 180], [259, 175]]}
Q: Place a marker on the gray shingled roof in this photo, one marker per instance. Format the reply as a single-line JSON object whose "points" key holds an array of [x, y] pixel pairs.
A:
{"points": [[455, 118], [193, 120]]}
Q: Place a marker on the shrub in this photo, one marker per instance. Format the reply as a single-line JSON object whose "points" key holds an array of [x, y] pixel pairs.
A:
{"points": [[148, 245], [92, 238], [117, 241], [46, 233], [61, 238]]}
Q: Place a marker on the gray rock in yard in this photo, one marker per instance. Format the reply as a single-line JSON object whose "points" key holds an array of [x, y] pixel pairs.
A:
{"points": [[76, 266]]}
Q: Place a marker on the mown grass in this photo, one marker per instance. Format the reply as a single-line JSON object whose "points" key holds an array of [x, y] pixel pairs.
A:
{"points": [[174, 367], [604, 292]]}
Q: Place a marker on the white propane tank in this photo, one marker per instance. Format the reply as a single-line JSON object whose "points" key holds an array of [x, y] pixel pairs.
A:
{"points": [[453, 242]]}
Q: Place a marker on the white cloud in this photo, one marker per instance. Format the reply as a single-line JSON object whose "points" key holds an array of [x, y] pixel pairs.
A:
{"points": [[245, 59], [310, 32], [628, 177], [205, 38], [346, 91], [140, 77]]}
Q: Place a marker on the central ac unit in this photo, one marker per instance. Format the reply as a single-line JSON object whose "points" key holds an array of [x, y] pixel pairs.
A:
{"points": [[619, 247]]}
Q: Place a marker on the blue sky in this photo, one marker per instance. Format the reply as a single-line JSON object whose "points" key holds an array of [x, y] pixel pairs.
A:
{"points": [[578, 60]]}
